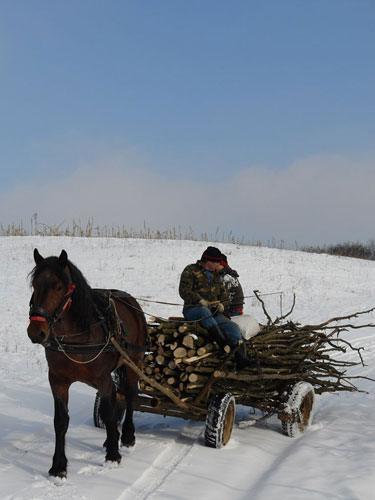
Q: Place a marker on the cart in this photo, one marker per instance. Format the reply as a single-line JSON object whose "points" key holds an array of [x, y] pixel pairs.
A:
{"points": [[292, 400]]}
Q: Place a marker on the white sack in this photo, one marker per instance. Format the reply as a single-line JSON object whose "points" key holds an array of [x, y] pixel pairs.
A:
{"points": [[248, 325]]}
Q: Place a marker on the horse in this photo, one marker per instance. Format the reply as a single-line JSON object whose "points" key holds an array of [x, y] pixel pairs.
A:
{"points": [[75, 323]]}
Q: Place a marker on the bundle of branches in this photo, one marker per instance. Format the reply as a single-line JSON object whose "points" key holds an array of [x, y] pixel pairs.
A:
{"points": [[183, 358]]}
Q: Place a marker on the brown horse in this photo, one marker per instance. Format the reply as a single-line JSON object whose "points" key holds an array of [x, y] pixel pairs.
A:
{"points": [[74, 323]]}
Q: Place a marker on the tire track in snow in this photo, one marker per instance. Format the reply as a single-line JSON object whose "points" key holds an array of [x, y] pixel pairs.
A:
{"points": [[28, 454], [289, 451], [261, 483], [166, 462], [15, 452]]}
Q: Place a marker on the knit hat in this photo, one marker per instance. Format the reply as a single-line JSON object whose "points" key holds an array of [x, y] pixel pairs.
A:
{"points": [[211, 253], [223, 260]]}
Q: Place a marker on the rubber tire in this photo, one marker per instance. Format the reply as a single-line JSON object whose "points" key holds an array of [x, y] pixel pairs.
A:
{"points": [[301, 401], [98, 422], [220, 420]]}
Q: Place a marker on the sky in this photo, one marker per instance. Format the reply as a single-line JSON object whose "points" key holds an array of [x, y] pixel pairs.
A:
{"points": [[255, 117]]}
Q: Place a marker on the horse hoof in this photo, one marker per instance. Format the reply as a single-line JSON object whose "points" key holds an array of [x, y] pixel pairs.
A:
{"points": [[128, 444], [115, 458], [61, 474]]}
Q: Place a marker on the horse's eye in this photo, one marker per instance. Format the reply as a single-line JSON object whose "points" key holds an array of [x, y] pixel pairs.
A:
{"points": [[59, 288]]}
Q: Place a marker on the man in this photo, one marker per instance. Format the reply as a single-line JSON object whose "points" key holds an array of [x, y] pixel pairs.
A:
{"points": [[229, 277], [200, 285]]}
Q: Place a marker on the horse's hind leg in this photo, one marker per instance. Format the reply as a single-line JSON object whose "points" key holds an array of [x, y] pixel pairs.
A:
{"points": [[108, 414], [61, 423]]}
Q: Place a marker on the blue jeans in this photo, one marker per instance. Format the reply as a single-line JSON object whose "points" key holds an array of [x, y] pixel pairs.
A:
{"points": [[204, 317]]}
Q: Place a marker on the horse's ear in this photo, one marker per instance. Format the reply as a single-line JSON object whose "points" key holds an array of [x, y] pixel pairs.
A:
{"points": [[63, 259], [37, 257]]}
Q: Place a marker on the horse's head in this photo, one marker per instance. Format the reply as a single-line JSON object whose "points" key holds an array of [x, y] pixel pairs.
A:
{"points": [[52, 291]]}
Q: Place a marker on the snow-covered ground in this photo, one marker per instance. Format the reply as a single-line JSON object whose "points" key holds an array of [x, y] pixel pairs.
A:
{"points": [[334, 460]]}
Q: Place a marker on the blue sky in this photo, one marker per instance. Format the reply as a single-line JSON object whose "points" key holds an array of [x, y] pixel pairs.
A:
{"points": [[202, 92]]}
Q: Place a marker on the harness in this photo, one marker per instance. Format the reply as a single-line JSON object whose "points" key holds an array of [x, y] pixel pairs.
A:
{"points": [[37, 313], [108, 320]]}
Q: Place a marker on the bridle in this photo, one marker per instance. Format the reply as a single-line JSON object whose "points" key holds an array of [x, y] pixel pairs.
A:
{"points": [[37, 313]]}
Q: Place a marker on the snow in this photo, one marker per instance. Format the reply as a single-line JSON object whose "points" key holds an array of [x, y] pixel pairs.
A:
{"points": [[334, 459]]}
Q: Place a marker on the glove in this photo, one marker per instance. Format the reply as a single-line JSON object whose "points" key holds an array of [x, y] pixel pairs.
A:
{"points": [[220, 307], [203, 302]]}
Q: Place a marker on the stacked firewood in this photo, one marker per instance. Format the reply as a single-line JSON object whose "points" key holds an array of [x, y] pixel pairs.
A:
{"points": [[181, 356], [184, 359]]}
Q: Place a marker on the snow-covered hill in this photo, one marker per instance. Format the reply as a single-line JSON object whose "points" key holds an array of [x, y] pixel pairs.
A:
{"points": [[334, 460]]}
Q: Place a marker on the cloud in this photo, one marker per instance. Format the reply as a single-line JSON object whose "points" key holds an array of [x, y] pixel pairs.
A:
{"points": [[314, 201], [317, 200]]}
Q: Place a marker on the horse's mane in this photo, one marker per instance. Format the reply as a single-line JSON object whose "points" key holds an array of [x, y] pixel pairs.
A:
{"points": [[82, 307]]}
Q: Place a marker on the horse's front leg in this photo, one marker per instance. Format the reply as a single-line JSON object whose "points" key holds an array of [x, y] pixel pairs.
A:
{"points": [[108, 414], [60, 391], [128, 429]]}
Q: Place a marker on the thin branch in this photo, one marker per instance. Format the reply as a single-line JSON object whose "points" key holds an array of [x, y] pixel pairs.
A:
{"points": [[256, 293], [277, 320]]}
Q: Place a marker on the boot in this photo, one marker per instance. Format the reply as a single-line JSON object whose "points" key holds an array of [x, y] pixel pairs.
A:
{"points": [[242, 361], [217, 335]]}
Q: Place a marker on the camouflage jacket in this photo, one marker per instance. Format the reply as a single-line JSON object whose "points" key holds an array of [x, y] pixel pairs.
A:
{"points": [[194, 286]]}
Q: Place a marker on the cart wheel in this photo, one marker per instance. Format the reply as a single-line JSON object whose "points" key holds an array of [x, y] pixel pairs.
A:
{"points": [[98, 422], [300, 409], [220, 420]]}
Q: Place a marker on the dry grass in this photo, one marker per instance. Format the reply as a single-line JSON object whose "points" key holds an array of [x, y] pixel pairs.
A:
{"points": [[90, 230], [347, 249]]}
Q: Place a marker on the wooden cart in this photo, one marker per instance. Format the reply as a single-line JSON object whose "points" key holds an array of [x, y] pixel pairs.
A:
{"points": [[215, 400]]}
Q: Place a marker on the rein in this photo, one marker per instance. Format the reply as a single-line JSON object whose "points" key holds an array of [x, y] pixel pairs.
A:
{"points": [[167, 320], [189, 305]]}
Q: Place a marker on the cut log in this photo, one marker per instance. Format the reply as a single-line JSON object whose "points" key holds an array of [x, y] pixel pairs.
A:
{"points": [[197, 378], [188, 341], [168, 371], [160, 359], [206, 348], [180, 352], [172, 346]]}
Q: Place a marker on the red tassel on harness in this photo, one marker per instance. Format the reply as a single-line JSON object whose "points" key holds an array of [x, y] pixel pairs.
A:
{"points": [[71, 288]]}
